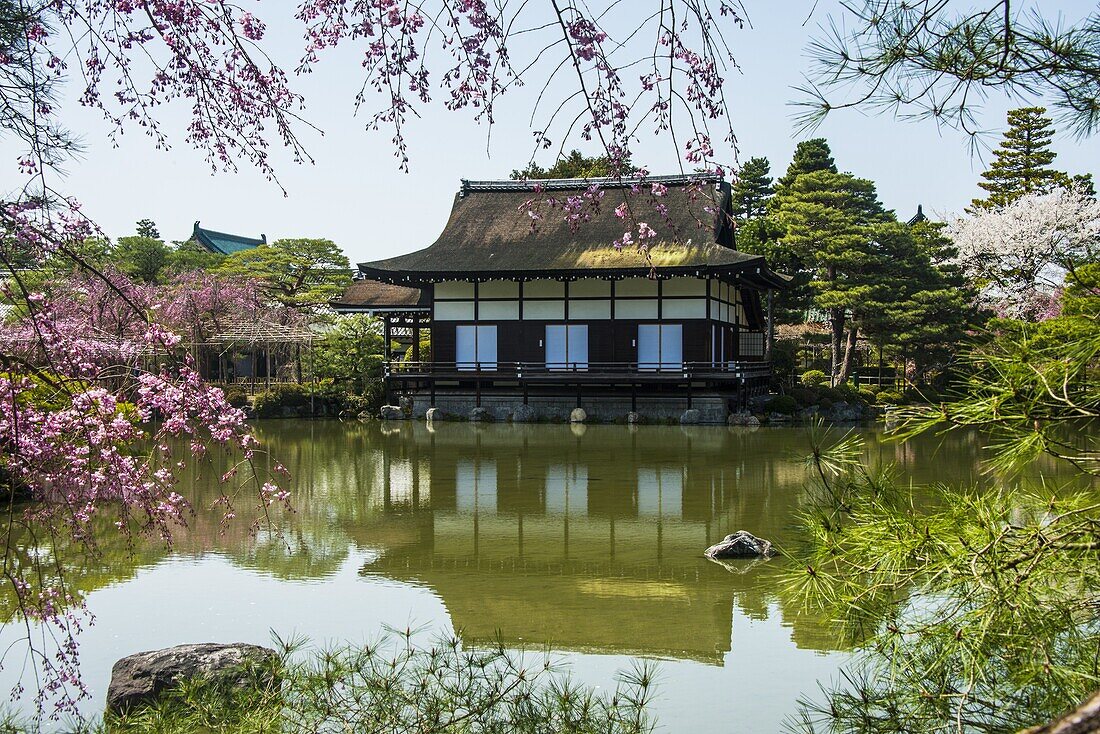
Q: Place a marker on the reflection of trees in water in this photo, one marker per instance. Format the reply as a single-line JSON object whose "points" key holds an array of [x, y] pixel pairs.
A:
{"points": [[592, 541]]}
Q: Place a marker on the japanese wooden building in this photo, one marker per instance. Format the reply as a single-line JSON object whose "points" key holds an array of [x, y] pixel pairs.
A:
{"points": [[525, 307]]}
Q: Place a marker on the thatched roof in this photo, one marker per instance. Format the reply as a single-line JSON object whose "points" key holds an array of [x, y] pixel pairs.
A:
{"points": [[370, 295], [262, 331], [491, 231]]}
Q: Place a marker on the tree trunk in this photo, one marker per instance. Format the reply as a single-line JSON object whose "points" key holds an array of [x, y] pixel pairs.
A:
{"points": [[836, 318], [849, 356], [1082, 720]]}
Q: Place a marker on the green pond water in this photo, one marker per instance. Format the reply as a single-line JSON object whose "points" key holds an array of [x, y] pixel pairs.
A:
{"points": [[586, 538]]}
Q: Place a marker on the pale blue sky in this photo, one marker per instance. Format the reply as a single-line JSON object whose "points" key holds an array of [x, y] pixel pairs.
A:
{"points": [[355, 194]]}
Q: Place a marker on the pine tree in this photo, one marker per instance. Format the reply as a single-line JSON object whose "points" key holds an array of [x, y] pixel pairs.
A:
{"points": [[147, 228], [752, 190], [576, 165], [809, 156], [1022, 161], [920, 300], [828, 220]]}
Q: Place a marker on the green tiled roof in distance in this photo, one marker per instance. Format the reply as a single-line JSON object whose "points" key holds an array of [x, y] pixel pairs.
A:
{"points": [[221, 243]]}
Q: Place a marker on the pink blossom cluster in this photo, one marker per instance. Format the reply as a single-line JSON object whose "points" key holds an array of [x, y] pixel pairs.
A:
{"points": [[132, 57], [96, 401]]}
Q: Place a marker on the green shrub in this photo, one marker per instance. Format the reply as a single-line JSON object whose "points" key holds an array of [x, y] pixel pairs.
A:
{"points": [[813, 378], [804, 396], [236, 397], [889, 397], [830, 393], [868, 392], [784, 404], [270, 403], [848, 392]]}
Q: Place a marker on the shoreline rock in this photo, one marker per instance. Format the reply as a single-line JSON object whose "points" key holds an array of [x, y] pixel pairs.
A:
{"points": [[143, 677]]}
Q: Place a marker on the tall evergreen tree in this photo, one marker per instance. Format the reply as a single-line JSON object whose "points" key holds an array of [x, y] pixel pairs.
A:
{"points": [[142, 258], [920, 301], [752, 190], [1022, 162], [147, 228], [809, 156], [828, 220], [764, 236]]}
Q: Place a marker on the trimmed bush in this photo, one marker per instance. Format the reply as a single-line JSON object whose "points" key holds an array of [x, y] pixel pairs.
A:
{"points": [[784, 404], [804, 396], [813, 378], [889, 397], [270, 403], [850, 393], [236, 397]]}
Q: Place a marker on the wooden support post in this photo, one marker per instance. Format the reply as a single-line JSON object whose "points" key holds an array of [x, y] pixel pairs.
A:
{"points": [[386, 338], [769, 343], [416, 338]]}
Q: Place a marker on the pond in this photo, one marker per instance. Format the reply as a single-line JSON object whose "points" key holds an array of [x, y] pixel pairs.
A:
{"points": [[587, 538]]}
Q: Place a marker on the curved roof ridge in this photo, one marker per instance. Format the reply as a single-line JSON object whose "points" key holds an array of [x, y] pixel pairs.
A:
{"points": [[225, 243], [605, 182]]}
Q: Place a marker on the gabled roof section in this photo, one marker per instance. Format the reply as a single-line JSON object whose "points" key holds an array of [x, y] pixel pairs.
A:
{"points": [[521, 229], [918, 217], [370, 296], [221, 243]]}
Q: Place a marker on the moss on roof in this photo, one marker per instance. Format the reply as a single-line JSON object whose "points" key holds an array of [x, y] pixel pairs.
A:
{"points": [[490, 230]]}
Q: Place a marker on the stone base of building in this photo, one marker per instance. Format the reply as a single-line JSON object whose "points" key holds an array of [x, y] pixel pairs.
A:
{"points": [[710, 408]]}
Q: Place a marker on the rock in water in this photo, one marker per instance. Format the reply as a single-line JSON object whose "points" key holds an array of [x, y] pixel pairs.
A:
{"points": [[142, 677], [392, 413], [741, 544], [690, 417], [578, 415], [480, 415], [524, 414]]}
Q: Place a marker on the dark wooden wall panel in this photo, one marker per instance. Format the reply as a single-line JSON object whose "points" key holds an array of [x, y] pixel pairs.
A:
{"points": [[443, 341], [696, 341]]}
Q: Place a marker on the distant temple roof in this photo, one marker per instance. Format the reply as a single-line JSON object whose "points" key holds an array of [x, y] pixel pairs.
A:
{"points": [[221, 243], [918, 217], [490, 232]]}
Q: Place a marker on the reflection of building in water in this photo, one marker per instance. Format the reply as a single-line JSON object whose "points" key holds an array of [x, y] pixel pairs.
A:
{"points": [[585, 543]]}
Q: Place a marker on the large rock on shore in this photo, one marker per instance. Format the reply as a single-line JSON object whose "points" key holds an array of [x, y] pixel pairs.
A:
{"points": [[141, 678], [578, 415], [741, 544]]}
